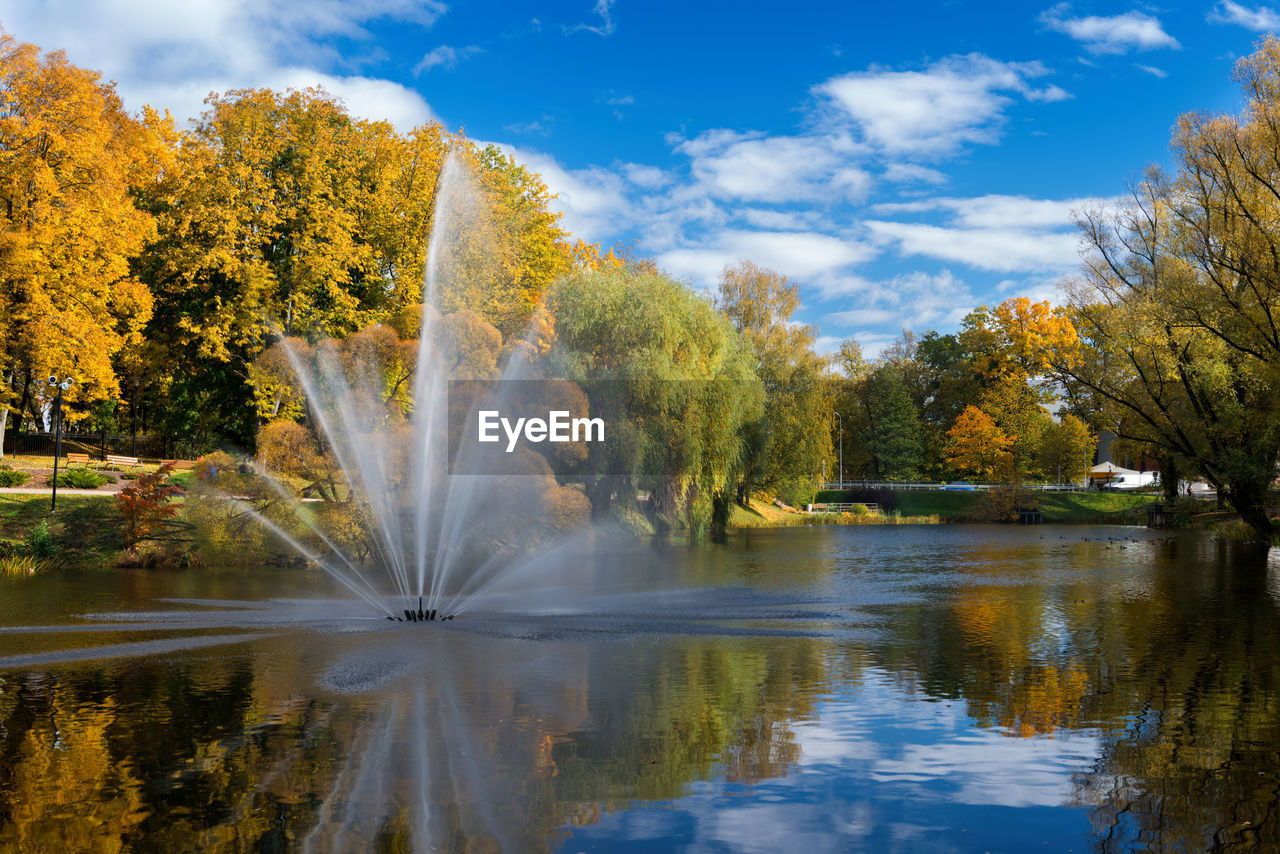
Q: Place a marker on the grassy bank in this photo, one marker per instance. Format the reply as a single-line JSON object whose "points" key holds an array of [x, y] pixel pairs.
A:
{"points": [[761, 515], [84, 531], [1097, 508]]}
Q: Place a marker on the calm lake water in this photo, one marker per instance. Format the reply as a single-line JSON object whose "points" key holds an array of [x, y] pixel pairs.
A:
{"points": [[942, 688]]}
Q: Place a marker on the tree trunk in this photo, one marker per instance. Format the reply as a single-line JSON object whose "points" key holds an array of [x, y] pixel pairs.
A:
{"points": [[1169, 478], [22, 402], [1250, 501], [721, 506], [4, 410], [600, 493]]}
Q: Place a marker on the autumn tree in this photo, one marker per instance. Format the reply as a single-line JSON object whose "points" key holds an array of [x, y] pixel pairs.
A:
{"points": [[290, 218], [786, 447], [978, 446], [1179, 302], [71, 161], [1066, 449]]}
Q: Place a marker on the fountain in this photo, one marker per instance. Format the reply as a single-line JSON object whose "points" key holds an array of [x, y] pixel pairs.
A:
{"points": [[422, 514]]}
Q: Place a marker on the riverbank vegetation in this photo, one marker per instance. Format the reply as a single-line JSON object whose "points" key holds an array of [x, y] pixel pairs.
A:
{"points": [[183, 271], [84, 532]]}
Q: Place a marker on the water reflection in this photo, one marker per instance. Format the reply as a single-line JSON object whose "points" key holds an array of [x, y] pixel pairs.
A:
{"points": [[949, 689]]}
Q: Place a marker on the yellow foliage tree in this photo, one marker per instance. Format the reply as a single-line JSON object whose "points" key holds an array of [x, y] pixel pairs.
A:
{"points": [[978, 446], [1019, 335], [71, 159]]}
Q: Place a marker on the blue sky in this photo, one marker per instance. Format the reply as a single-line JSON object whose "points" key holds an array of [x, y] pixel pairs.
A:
{"points": [[901, 162]]}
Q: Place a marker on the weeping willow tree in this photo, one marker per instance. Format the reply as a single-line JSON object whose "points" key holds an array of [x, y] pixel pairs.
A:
{"points": [[675, 384]]}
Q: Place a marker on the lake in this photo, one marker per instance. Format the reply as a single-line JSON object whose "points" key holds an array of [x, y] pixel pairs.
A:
{"points": [[895, 688]]}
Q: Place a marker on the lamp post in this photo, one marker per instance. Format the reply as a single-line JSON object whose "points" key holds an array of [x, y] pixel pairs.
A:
{"points": [[57, 433], [840, 423]]}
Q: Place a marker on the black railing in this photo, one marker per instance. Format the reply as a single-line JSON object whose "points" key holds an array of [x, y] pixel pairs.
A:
{"points": [[98, 445]]}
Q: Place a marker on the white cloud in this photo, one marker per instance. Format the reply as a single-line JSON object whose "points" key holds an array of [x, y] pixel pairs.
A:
{"points": [[647, 177], [826, 345], [1152, 70], [910, 173], [997, 249], [958, 100], [993, 232], [172, 55], [593, 202], [364, 97], [803, 255], [537, 127], [771, 220], [603, 9], [912, 300], [1258, 18], [1034, 288], [444, 56], [1110, 34], [756, 167], [1000, 211]]}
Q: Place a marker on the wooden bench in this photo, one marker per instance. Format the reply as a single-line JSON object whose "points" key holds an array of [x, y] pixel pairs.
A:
{"points": [[180, 465], [117, 461], [83, 459]]}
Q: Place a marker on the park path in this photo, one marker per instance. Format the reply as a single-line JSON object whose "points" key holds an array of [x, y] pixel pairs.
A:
{"points": [[37, 490]]}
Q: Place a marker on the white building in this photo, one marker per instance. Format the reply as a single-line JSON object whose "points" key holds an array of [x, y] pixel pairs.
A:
{"points": [[1112, 476]]}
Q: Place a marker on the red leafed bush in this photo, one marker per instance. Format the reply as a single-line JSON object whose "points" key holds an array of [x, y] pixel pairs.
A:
{"points": [[145, 504]]}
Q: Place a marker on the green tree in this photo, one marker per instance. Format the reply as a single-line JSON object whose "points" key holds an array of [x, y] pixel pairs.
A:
{"points": [[893, 437], [786, 447], [674, 382]]}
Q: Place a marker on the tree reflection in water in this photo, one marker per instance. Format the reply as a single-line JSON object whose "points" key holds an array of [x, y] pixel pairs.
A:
{"points": [[1170, 654], [411, 741], [1155, 658]]}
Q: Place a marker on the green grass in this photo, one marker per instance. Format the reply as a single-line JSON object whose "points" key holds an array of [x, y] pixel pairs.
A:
{"points": [[182, 479], [931, 502], [764, 516], [1096, 507], [84, 530], [1090, 507]]}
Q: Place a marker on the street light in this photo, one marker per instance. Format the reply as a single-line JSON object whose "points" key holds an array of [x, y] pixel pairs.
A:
{"points": [[840, 422], [57, 435]]}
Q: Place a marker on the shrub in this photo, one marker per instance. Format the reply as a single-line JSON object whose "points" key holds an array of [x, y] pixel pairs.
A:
{"points": [[146, 504], [9, 477], [796, 492], [886, 498], [81, 479], [40, 540]]}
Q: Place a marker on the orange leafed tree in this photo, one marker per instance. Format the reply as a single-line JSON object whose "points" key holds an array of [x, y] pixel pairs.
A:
{"points": [[977, 445]]}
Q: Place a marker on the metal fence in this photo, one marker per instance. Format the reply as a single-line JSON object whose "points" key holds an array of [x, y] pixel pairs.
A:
{"points": [[869, 484], [98, 445]]}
